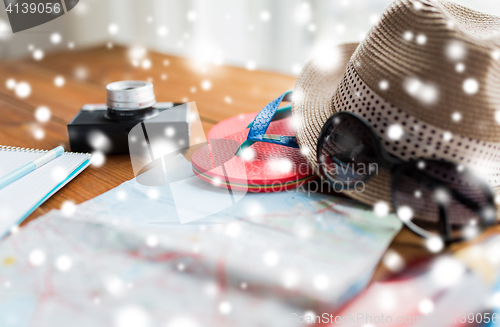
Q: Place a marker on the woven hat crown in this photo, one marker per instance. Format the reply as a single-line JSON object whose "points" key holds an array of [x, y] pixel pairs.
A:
{"points": [[427, 80], [436, 60]]}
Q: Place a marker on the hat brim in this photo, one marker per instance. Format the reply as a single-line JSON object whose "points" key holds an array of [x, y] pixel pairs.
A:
{"points": [[313, 104]]}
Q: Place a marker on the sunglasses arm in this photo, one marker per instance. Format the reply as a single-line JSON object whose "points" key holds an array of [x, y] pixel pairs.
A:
{"points": [[444, 225]]}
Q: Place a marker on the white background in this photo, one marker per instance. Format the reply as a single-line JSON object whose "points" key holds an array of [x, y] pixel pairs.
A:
{"points": [[233, 32]]}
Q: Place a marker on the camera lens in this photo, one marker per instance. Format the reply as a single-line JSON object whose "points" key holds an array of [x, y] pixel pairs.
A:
{"points": [[128, 100]]}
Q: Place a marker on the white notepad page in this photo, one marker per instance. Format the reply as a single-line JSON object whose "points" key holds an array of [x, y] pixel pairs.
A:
{"points": [[23, 196]]}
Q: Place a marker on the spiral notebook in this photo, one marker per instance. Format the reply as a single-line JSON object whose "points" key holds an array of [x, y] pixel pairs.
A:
{"points": [[19, 199]]}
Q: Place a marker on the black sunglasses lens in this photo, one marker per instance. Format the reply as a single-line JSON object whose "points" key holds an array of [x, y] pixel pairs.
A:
{"points": [[347, 151], [440, 198]]}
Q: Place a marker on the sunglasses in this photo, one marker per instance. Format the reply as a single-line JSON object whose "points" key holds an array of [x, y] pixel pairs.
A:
{"points": [[432, 197]]}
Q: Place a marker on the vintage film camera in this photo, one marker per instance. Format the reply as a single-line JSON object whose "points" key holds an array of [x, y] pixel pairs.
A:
{"points": [[105, 127]]}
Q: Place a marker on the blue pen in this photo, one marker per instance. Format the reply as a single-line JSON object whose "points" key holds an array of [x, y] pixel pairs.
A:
{"points": [[28, 168]]}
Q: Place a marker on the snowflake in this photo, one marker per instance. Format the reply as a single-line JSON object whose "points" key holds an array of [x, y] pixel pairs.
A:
{"points": [[192, 16], [460, 67], [421, 39], [383, 85], [121, 195], [64, 263], [426, 93], [146, 64], [162, 31], [36, 257], [132, 316], [321, 282], [59, 81], [471, 86], [232, 229], [393, 261], [302, 13], [153, 194], [59, 174], [98, 159], [447, 271], [55, 38], [251, 65], [395, 132], [456, 117], [113, 29], [23, 89], [42, 114], [152, 241], [68, 208], [434, 244], [265, 16], [81, 73], [456, 51], [408, 35], [426, 306], [381, 209], [206, 85], [405, 213], [271, 258], [38, 54], [296, 68], [38, 133], [290, 278], [10, 84], [225, 308]]}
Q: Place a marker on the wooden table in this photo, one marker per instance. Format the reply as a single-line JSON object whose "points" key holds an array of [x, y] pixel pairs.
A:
{"points": [[87, 72]]}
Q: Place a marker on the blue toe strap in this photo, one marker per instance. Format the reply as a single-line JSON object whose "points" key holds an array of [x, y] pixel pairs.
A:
{"points": [[261, 123]]}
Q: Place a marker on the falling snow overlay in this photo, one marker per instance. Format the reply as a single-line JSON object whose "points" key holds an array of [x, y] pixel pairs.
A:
{"points": [[132, 257]]}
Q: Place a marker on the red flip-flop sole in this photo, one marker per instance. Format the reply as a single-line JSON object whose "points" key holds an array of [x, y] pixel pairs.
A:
{"points": [[264, 167]]}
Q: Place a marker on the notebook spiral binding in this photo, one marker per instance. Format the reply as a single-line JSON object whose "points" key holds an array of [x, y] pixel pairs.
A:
{"points": [[13, 148]]}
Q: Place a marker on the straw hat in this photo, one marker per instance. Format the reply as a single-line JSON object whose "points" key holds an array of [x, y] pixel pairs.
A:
{"points": [[426, 77]]}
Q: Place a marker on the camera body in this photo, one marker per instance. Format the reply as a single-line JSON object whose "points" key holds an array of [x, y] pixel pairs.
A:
{"points": [[106, 127], [91, 129]]}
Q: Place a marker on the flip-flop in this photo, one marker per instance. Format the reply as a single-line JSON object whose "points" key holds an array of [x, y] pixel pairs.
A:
{"points": [[241, 156]]}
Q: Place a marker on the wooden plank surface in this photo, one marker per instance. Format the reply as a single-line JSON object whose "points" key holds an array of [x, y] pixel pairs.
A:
{"points": [[232, 91], [101, 66]]}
